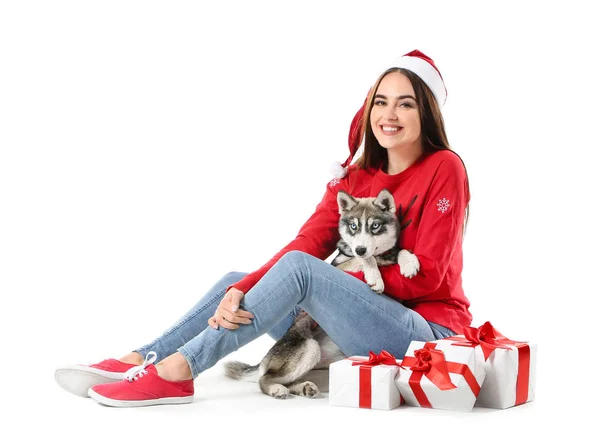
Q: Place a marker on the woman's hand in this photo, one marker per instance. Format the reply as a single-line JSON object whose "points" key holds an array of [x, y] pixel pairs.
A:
{"points": [[228, 314]]}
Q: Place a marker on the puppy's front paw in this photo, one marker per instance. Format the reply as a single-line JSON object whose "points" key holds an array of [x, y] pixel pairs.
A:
{"points": [[377, 286], [409, 263]]}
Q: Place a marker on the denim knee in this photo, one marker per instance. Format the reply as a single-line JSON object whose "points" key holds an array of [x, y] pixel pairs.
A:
{"points": [[231, 278], [294, 259], [294, 255]]}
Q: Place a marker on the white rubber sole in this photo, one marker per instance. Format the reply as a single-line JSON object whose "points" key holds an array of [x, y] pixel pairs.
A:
{"points": [[78, 379], [135, 403]]}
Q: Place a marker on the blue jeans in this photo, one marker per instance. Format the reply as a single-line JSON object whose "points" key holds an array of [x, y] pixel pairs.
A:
{"points": [[356, 319]]}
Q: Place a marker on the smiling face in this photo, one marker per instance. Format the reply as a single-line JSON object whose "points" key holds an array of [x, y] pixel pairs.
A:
{"points": [[395, 118]]}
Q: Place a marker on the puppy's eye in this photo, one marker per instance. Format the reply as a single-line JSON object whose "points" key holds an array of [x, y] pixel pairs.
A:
{"points": [[353, 226], [375, 225]]}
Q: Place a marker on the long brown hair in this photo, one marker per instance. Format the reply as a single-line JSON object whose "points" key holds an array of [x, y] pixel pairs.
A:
{"points": [[433, 130]]}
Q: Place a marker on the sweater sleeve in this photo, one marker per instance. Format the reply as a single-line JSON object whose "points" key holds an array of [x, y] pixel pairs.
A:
{"points": [[439, 234], [317, 237]]}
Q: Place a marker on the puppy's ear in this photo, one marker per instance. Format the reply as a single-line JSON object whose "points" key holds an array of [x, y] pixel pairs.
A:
{"points": [[345, 201], [385, 201]]}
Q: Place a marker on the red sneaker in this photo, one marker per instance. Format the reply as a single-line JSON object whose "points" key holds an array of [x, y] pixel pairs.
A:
{"points": [[78, 379], [142, 386]]}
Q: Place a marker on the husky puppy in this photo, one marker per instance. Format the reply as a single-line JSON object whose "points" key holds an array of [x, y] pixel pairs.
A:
{"points": [[369, 231]]}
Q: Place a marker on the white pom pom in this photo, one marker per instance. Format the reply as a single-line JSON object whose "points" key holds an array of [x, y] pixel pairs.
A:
{"points": [[337, 170]]}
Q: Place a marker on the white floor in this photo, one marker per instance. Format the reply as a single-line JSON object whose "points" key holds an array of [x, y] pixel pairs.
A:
{"points": [[228, 409]]}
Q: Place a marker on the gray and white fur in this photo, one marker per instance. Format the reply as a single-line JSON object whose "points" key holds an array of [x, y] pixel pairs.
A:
{"points": [[369, 232]]}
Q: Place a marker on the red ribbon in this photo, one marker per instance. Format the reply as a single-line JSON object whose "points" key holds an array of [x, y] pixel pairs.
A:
{"points": [[432, 363], [383, 358], [485, 336], [489, 339]]}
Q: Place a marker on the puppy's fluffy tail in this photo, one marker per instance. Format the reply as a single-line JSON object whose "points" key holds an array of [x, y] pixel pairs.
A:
{"points": [[241, 371]]}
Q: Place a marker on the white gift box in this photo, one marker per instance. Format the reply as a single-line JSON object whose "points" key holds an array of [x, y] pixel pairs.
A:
{"points": [[465, 375], [510, 371], [364, 386]]}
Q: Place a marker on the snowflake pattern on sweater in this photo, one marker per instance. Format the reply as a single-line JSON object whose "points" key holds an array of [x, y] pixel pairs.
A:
{"points": [[443, 205], [334, 182]]}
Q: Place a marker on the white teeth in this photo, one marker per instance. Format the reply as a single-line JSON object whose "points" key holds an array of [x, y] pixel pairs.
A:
{"points": [[391, 128]]}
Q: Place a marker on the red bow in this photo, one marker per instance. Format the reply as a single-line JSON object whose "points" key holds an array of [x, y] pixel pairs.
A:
{"points": [[432, 363], [486, 336], [383, 358]]}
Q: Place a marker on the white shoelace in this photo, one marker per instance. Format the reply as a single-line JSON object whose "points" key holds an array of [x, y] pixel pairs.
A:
{"points": [[135, 373]]}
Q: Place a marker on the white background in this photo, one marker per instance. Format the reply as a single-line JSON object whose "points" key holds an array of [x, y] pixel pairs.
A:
{"points": [[148, 148]]}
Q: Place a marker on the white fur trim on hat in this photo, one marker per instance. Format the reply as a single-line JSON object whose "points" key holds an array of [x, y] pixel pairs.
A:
{"points": [[427, 73], [337, 169]]}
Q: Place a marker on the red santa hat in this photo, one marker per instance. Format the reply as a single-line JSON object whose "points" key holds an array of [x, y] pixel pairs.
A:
{"points": [[418, 63]]}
